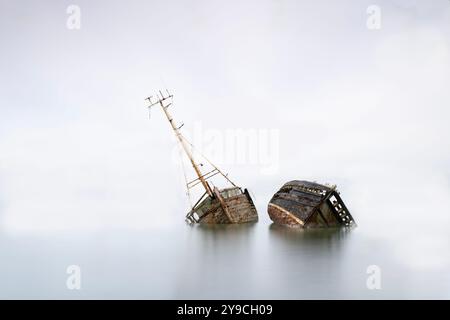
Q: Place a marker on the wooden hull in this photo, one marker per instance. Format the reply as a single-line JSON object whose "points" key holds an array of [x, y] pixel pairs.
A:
{"points": [[309, 205], [226, 209]]}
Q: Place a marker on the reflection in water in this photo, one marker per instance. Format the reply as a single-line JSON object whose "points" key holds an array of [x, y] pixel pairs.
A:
{"points": [[216, 256], [224, 232], [243, 261], [191, 262], [314, 257], [316, 237]]}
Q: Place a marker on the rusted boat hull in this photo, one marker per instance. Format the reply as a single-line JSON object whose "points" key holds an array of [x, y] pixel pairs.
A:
{"points": [[225, 207], [309, 205]]}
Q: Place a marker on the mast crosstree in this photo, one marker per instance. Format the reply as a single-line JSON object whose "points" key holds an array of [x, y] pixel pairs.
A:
{"points": [[215, 206], [165, 101]]}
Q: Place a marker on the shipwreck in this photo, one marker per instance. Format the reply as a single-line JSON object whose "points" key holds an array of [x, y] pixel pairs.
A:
{"points": [[309, 205], [227, 205]]}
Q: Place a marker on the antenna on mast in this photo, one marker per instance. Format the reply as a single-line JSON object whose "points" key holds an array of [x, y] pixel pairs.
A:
{"points": [[229, 205]]}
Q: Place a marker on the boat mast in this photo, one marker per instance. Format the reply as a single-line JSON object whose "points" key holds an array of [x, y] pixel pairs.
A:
{"points": [[160, 98]]}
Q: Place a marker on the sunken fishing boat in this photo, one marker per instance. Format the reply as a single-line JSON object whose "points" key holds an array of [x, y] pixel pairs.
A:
{"points": [[229, 205], [309, 205]]}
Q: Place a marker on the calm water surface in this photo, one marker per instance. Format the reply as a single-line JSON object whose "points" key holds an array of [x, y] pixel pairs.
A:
{"points": [[245, 261]]}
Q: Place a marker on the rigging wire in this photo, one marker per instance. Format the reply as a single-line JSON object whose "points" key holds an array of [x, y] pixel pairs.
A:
{"points": [[194, 148]]}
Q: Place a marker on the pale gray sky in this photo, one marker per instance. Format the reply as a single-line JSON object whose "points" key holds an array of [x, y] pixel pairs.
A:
{"points": [[366, 109]]}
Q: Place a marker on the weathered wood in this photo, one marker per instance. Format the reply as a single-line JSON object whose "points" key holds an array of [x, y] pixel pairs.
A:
{"points": [[226, 206], [310, 205], [223, 205]]}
